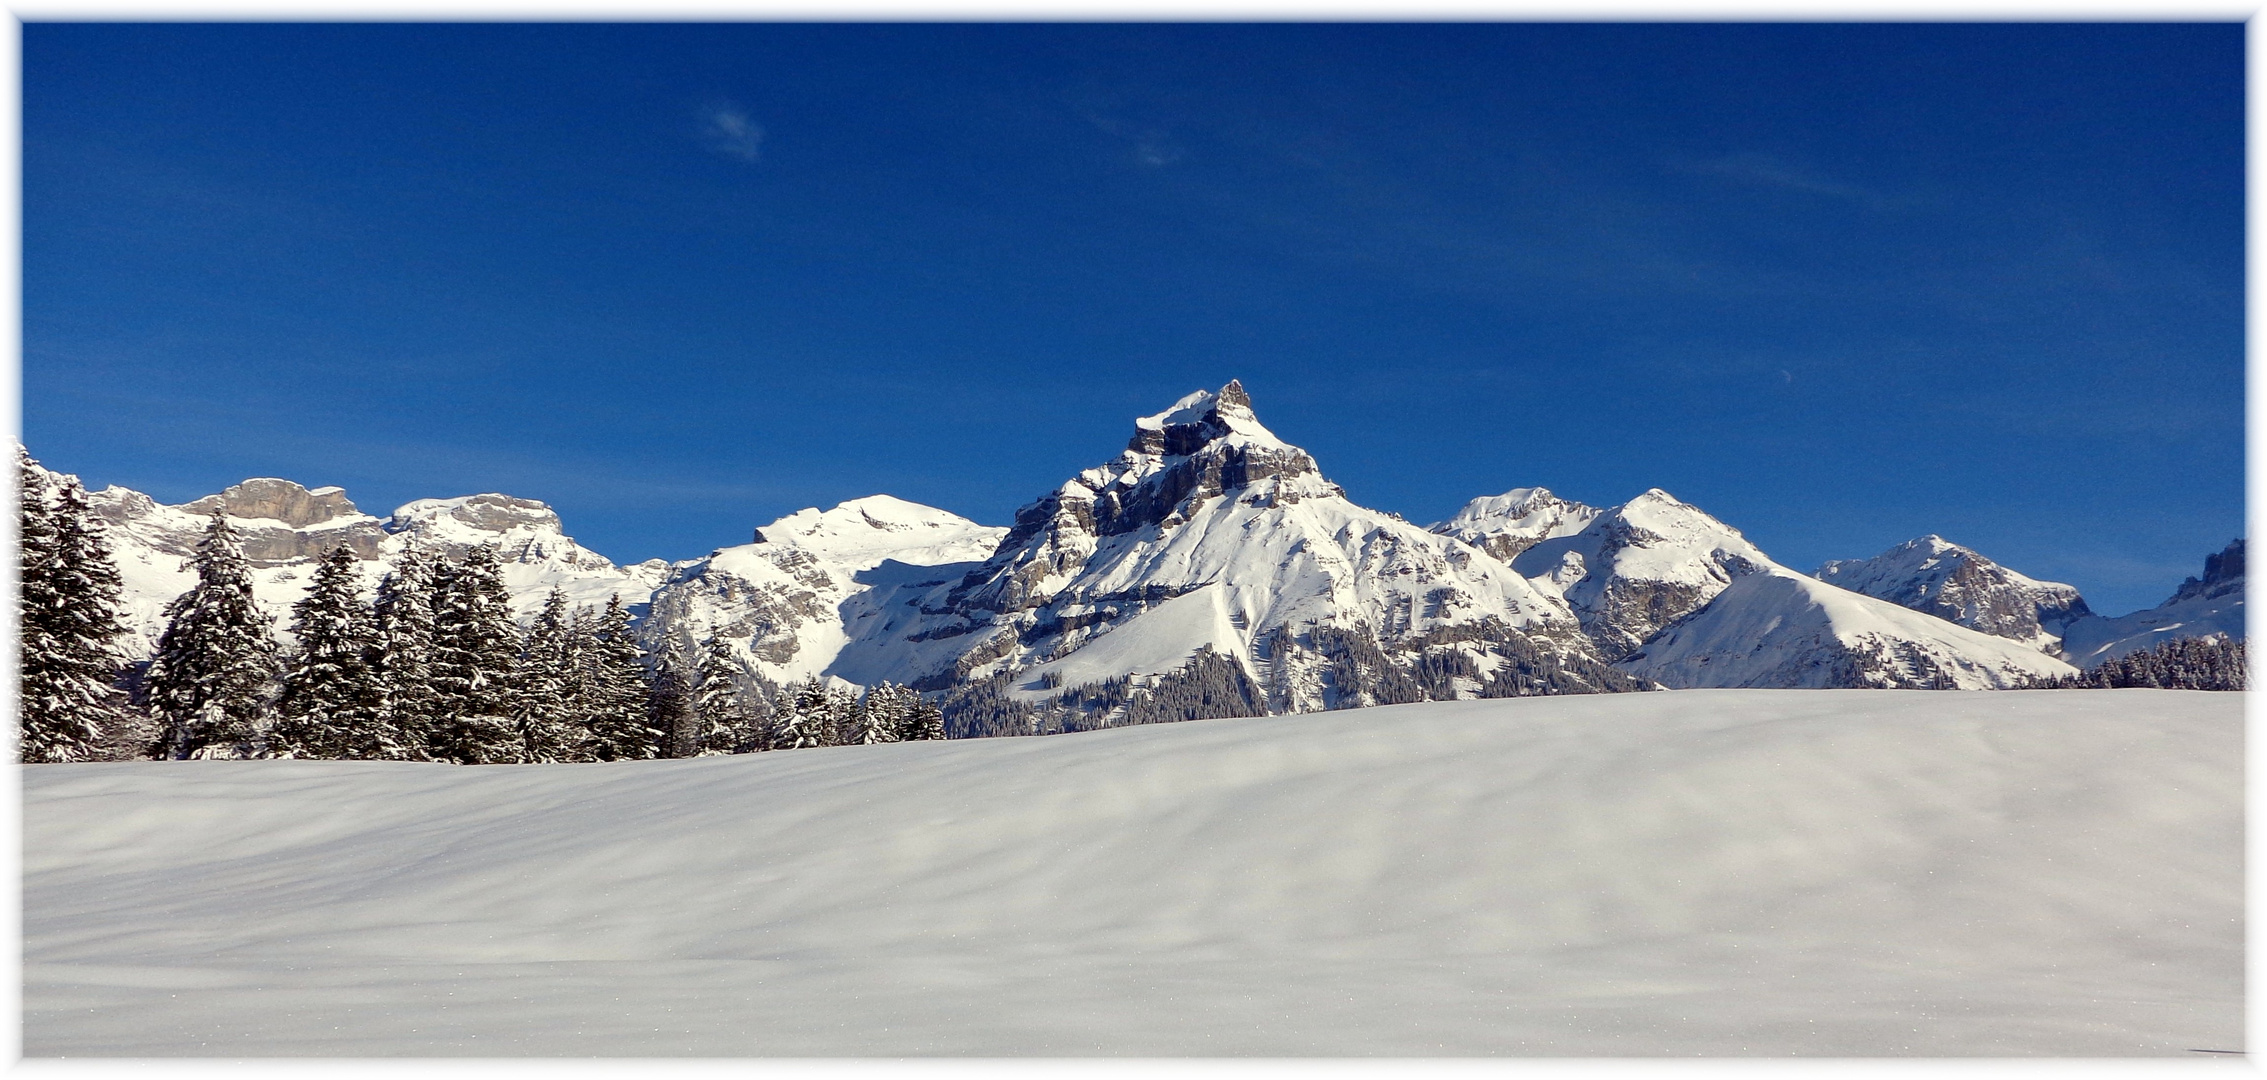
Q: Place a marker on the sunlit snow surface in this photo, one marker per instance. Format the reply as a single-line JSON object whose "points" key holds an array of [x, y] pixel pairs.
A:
{"points": [[1698, 872]]}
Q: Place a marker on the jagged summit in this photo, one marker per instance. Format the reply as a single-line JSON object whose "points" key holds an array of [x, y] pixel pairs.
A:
{"points": [[2223, 574], [1209, 534], [1198, 419]]}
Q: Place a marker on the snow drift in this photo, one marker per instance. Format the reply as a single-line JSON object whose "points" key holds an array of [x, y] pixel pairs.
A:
{"points": [[1707, 872]]}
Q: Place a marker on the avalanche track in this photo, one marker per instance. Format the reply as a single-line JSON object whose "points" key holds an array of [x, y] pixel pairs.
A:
{"points": [[1734, 872]]}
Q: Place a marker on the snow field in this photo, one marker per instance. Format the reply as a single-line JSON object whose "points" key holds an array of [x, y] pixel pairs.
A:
{"points": [[1698, 872]]}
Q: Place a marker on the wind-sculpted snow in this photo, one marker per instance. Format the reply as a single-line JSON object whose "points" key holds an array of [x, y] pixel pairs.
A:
{"points": [[1777, 628], [1960, 585], [1711, 872]]}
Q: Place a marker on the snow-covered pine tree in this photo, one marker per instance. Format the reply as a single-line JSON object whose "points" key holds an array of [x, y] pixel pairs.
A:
{"points": [[330, 700], [211, 682], [67, 698], [407, 704], [879, 717], [670, 706], [901, 711], [803, 717], [582, 683], [475, 646], [615, 706], [722, 720], [544, 700]]}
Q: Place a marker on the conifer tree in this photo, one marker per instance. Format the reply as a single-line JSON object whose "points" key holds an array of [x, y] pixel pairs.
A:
{"points": [[722, 720], [803, 718], [475, 647], [210, 682], [902, 712], [671, 704], [545, 698], [615, 721], [926, 721], [331, 697], [407, 704], [67, 699], [582, 682], [879, 717]]}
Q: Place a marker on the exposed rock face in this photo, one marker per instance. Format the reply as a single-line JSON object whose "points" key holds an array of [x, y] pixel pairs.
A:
{"points": [[2223, 575], [278, 500], [280, 522], [1959, 585], [1641, 566]]}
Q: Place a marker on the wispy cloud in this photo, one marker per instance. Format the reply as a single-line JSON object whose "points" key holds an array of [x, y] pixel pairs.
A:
{"points": [[1155, 152], [1763, 170], [729, 131], [1153, 147]]}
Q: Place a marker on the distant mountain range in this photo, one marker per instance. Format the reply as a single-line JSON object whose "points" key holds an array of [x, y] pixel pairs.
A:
{"points": [[1208, 543]]}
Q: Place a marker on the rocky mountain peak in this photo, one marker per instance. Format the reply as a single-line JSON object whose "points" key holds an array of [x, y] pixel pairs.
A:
{"points": [[278, 500], [1197, 420], [1208, 444], [1960, 585], [2223, 573]]}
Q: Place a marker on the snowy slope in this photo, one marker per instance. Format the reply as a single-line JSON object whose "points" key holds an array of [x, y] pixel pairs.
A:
{"points": [[1640, 566], [781, 600], [1712, 872], [1204, 498], [287, 528], [1958, 584], [1507, 524], [1777, 628], [2206, 607]]}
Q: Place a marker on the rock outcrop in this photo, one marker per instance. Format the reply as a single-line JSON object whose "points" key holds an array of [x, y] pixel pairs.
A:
{"points": [[1959, 585]]}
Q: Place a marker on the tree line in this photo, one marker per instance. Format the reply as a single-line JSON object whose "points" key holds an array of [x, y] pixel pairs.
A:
{"points": [[433, 667], [2213, 663]]}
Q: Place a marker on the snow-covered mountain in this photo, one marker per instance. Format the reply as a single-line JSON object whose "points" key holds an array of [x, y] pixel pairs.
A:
{"points": [[1208, 532], [780, 599], [1640, 566], [1507, 524], [2206, 607], [287, 528], [1958, 584], [1212, 559], [1775, 628], [1682, 599]]}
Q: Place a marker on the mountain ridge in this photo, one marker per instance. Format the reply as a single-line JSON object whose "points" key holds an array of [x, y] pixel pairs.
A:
{"points": [[1209, 536]]}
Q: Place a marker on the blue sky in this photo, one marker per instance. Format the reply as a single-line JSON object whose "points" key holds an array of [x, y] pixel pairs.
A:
{"points": [[1838, 285]]}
